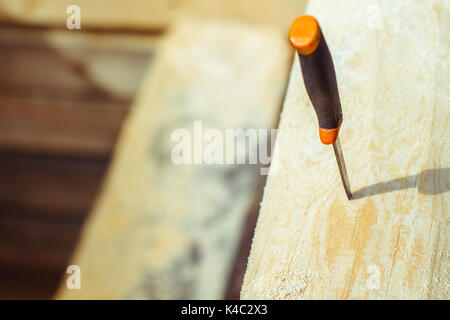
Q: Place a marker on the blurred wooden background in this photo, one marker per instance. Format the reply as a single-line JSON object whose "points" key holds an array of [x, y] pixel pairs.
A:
{"points": [[63, 97], [58, 124]]}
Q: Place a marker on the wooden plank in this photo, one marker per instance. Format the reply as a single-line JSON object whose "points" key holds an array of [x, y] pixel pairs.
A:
{"points": [[35, 240], [61, 185], [391, 241], [146, 15], [43, 202], [95, 14], [64, 84], [28, 283], [160, 230], [78, 60], [63, 97], [278, 13], [240, 263]]}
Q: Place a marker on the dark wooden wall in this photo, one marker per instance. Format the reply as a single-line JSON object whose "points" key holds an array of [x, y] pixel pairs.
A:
{"points": [[58, 126]]}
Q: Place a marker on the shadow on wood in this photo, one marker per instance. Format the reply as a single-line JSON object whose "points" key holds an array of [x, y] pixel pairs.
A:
{"points": [[427, 182]]}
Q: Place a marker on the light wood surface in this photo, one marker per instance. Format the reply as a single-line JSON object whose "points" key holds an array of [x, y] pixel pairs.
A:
{"points": [[164, 231], [391, 240], [146, 15], [95, 14], [278, 13]]}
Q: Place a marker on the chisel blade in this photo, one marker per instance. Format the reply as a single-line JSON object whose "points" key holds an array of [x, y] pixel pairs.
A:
{"points": [[342, 169]]}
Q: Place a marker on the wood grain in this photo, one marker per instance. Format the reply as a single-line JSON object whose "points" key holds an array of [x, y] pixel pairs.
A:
{"points": [[146, 15], [277, 13], [392, 65], [43, 202], [50, 183], [160, 230], [55, 87], [63, 97], [95, 14]]}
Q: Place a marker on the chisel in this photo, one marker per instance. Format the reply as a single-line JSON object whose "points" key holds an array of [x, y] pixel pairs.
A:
{"points": [[319, 77]]}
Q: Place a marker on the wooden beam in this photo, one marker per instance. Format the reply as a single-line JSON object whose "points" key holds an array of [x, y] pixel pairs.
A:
{"points": [[95, 14], [65, 82], [161, 230], [145, 15], [54, 184], [63, 97], [277, 13], [391, 240]]}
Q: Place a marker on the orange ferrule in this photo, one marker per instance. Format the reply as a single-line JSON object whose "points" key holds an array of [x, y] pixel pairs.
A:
{"points": [[329, 136], [305, 34]]}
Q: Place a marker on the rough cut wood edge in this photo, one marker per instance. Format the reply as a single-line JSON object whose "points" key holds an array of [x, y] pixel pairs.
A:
{"points": [[164, 231], [392, 63]]}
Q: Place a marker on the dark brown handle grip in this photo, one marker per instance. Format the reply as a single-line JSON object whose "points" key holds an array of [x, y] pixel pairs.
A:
{"points": [[318, 75]]}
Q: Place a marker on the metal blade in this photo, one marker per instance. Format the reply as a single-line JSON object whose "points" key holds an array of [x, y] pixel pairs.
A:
{"points": [[341, 164]]}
